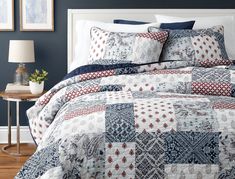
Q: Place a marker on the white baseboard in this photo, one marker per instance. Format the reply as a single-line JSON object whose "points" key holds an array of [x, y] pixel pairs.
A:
{"points": [[25, 136]]}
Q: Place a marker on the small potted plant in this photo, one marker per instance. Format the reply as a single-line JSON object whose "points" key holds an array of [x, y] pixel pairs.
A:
{"points": [[36, 81]]}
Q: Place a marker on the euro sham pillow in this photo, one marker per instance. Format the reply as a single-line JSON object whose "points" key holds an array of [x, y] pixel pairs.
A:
{"points": [[177, 25], [129, 22], [173, 25], [204, 47], [119, 47]]}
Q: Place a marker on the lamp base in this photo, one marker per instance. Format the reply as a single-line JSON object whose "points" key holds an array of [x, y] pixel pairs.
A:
{"points": [[21, 75]]}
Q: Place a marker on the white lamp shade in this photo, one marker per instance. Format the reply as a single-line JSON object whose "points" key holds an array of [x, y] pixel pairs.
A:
{"points": [[21, 51]]}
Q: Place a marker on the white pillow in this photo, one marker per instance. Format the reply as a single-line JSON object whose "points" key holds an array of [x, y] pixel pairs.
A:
{"points": [[207, 22], [81, 52]]}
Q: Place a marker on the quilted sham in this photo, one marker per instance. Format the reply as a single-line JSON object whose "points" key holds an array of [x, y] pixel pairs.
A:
{"points": [[203, 47], [134, 122], [120, 47]]}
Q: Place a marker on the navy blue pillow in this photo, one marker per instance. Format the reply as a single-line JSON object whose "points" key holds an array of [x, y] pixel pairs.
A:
{"points": [[177, 25], [171, 26], [122, 21]]}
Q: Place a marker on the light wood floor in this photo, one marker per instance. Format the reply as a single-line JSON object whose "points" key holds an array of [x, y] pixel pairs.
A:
{"points": [[9, 166]]}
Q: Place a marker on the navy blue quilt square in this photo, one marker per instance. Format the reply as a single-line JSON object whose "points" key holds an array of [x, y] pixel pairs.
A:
{"points": [[192, 147], [149, 155], [119, 126]]}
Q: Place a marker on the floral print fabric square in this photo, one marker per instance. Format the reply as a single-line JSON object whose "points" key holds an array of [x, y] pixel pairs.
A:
{"points": [[120, 47], [155, 115], [204, 47]]}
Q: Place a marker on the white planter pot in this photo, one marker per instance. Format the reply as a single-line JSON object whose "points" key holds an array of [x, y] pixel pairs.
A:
{"points": [[36, 88]]}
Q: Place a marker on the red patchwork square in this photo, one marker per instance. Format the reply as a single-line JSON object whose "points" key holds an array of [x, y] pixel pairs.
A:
{"points": [[217, 89]]}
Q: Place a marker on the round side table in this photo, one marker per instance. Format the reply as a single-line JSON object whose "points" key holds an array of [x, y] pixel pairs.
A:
{"points": [[17, 98]]}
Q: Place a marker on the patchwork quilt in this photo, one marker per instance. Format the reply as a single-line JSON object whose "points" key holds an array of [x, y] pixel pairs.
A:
{"points": [[142, 121]]}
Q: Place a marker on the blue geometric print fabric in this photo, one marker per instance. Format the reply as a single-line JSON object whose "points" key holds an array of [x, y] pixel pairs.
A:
{"points": [[120, 123], [192, 147], [149, 155], [41, 162], [211, 75]]}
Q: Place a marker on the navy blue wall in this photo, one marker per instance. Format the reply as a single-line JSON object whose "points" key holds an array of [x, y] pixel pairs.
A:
{"points": [[51, 47]]}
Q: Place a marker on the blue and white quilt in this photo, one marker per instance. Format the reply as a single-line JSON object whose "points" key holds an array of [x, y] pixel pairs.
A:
{"points": [[135, 121]]}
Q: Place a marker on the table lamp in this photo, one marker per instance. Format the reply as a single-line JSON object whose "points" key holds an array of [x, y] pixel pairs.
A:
{"points": [[21, 51]]}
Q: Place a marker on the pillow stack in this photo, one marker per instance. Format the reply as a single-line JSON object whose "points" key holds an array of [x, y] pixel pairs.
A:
{"points": [[170, 39], [83, 39]]}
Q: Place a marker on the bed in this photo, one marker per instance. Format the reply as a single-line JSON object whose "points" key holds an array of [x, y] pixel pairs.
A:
{"points": [[128, 115]]}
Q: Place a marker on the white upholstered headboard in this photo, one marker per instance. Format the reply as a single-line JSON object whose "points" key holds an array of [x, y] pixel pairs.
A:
{"points": [[107, 15]]}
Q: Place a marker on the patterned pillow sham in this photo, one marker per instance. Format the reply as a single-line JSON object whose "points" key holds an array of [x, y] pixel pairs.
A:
{"points": [[131, 22], [204, 47], [121, 47], [173, 25]]}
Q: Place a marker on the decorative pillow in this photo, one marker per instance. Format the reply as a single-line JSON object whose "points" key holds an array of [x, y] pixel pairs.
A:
{"points": [[130, 22], [203, 47], [121, 47], [177, 25], [207, 22], [174, 25]]}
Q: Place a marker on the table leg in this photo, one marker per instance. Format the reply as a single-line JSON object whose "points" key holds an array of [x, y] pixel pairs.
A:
{"points": [[9, 121], [18, 125]]}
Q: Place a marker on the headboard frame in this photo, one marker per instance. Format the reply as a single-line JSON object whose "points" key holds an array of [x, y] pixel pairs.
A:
{"points": [[107, 15]]}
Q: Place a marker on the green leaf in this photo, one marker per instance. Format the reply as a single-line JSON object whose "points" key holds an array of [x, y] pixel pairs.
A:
{"points": [[38, 76]]}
